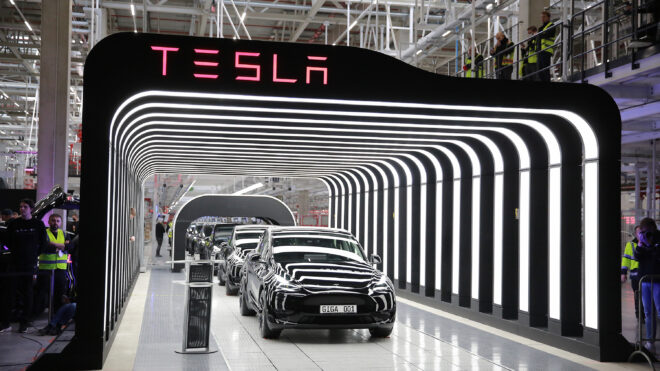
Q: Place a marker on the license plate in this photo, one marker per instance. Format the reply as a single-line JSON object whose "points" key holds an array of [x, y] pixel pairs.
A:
{"points": [[326, 309]]}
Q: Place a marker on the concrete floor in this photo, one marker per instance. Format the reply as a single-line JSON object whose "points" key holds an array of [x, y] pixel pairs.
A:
{"points": [[424, 338], [17, 351]]}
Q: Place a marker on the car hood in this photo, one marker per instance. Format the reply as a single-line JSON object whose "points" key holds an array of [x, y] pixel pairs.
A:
{"points": [[342, 275]]}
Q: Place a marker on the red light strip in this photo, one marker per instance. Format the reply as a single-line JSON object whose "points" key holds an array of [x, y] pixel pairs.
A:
{"points": [[313, 58], [278, 79], [207, 51], [320, 69], [205, 76], [255, 67], [208, 64]]}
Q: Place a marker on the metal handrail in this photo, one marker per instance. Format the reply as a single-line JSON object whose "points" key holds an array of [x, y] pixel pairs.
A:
{"points": [[575, 55]]}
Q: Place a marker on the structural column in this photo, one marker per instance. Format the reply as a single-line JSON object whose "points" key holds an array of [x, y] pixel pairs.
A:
{"points": [[52, 166], [529, 14]]}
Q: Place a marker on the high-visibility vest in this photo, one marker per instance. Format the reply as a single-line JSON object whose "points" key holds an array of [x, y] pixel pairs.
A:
{"points": [[628, 261], [53, 261], [547, 42], [480, 71], [507, 58], [169, 231]]}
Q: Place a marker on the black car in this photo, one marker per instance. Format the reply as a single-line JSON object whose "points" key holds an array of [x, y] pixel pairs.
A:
{"points": [[315, 278], [243, 241], [217, 242], [191, 233]]}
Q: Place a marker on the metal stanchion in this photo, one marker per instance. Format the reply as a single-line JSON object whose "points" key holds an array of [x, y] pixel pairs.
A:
{"points": [[51, 294], [639, 346]]}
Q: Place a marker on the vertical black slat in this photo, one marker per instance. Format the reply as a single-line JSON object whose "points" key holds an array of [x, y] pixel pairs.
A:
{"points": [[359, 218], [465, 257], [485, 301], [538, 251], [389, 243], [379, 219], [510, 243], [402, 216], [347, 199], [429, 234], [415, 231]]}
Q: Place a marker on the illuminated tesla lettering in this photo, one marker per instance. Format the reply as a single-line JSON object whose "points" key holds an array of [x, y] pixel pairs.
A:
{"points": [[165, 49], [255, 67], [208, 68], [206, 64]]}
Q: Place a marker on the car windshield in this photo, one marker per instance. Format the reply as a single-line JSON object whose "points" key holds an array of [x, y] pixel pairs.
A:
{"points": [[288, 249], [248, 235], [251, 244], [199, 227], [222, 233]]}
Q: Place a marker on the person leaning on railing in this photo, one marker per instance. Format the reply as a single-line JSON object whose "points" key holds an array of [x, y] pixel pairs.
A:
{"points": [[546, 40], [647, 254], [478, 62], [503, 52], [527, 67]]}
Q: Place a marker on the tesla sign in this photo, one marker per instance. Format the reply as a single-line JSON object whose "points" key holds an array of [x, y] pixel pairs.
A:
{"points": [[247, 66]]}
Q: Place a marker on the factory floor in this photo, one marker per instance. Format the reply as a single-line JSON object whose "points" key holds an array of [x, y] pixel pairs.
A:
{"points": [[424, 338]]}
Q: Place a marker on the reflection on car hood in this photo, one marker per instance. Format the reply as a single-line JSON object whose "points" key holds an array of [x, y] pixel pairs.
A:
{"points": [[317, 276]]}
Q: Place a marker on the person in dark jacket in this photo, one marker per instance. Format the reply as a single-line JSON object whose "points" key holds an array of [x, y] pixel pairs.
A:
{"points": [[26, 238], [160, 231], [503, 52], [545, 43], [647, 254]]}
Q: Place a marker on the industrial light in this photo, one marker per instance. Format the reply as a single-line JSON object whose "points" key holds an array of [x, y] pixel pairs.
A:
{"points": [[419, 52], [446, 33], [489, 7], [248, 189], [132, 9], [28, 25]]}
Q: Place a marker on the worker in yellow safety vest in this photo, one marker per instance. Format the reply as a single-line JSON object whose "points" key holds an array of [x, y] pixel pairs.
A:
{"points": [[527, 68], [545, 41], [470, 70], [169, 234], [629, 266], [503, 52], [53, 265]]}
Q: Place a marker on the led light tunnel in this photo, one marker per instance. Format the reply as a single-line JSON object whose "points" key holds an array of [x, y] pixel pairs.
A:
{"points": [[480, 207]]}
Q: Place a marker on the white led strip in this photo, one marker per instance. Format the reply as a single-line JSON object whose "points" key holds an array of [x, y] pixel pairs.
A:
{"points": [[590, 151]]}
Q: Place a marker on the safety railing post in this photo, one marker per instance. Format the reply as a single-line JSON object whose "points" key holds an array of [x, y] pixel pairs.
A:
{"points": [[639, 346], [605, 55], [51, 294]]}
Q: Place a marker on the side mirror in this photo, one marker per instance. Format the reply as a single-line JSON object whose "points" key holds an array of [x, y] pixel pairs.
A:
{"points": [[375, 259], [255, 258]]}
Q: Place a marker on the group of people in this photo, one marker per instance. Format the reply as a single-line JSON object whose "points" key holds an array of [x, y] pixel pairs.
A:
{"points": [[534, 61], [641, 258], [36, 257]]}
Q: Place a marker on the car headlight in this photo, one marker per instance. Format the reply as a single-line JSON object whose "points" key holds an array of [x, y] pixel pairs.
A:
{"points": [[381, 283], [286, 285]]}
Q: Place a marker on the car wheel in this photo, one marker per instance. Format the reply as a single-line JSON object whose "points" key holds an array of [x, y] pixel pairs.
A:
{"points": [[230, 290], [381, 332], [243, 305], [264, 325], [221, 279]]}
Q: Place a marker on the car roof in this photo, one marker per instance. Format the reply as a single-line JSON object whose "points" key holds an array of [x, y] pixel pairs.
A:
{"points": [[245, 227], [310, 230]]}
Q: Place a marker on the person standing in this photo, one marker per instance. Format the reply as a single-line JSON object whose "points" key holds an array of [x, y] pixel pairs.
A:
{"points": [[529, 60], [629, 266], [53, 261], [26, 239], [5, 281], [503, 52], [546, 36], [74, 226], [647, 254], [475, 69], [160, 231]]}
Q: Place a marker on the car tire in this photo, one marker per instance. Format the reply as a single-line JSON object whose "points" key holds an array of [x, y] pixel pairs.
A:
{"points": [[264, 326], [243, 306], [230, 290], [221, 280], [381, 332]]}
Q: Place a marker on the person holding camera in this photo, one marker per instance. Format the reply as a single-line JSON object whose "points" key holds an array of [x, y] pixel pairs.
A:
{"points": [[647, 254]]}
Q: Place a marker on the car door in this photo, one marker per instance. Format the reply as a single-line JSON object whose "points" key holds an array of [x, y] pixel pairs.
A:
{"points": [[253, 267]]}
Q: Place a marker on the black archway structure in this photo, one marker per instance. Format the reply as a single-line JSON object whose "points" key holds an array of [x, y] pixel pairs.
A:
{"points": [[496, 200], [268, 208]]}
